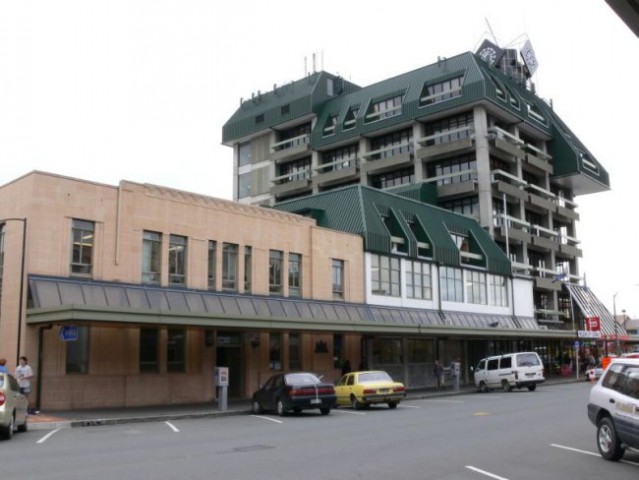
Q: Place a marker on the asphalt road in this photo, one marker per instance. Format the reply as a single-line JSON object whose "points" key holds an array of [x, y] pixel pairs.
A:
{"points": [[519, 435]]}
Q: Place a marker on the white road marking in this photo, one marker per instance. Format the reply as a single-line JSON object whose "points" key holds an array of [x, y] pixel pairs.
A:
{"points": [[46, 437], [173, 427], [484, 472], [586, 452], [352, 412], [401, 405], [442, 400], [267, 418]]}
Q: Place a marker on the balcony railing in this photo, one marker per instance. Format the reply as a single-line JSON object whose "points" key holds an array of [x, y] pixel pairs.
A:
{"points": [[432, 139], [291, 142], [387, 152], [340, 164], [292, 176]]}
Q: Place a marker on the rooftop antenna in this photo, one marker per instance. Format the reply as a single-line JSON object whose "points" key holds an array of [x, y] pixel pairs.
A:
{"points": [[322, 60], [314, 62], [305, 66], [490, 29]]}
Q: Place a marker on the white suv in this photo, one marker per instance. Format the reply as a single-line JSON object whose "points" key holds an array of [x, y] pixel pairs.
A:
{"points": [[614, 408]]}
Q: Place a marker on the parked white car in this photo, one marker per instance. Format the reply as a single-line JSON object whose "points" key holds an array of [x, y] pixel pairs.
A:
{"points": [[613, 407], [512, 370], [13, 407]]}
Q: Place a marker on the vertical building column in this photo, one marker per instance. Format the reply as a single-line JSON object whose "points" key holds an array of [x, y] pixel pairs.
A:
{"points": [[482, 154], [364, 146], [418, 164], [315, 161]]}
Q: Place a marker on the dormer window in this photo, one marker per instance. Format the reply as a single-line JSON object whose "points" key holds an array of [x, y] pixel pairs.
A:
{"points": [[389, 107], [350, 119], [330, 125], [535, 114], [440, 91], [588, 163]]}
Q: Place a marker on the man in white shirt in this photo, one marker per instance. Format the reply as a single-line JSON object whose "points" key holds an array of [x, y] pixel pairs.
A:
{"points": [[24, 375]]}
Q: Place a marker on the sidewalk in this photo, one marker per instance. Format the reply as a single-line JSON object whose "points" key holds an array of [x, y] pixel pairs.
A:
{"points": [[112, 416]]}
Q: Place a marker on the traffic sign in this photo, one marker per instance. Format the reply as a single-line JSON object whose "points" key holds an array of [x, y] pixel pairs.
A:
{"points": [[69, 333]]}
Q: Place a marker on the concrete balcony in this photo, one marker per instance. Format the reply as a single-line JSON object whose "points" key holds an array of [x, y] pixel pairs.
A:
{"points": [[570, 250], [545, 243], [515, 235], [539, 162], [462, 189], [544, 205], [567, 214], [290, 149], [501, 187], [336, 172], [547, 284], [285, 186], [443, 150], [506, 150], [370, 164]]}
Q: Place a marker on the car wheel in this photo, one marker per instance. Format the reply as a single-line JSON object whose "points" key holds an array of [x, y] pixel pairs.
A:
{"points": [[7, 432], [257, 408], [532, 387], [356, 405], [280, 408], [506, 386], [325, 411], [392, 405], [607, 441], [483, 388]]}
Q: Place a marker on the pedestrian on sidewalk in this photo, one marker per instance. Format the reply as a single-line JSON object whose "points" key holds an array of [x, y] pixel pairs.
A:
{"points": [[438, 371], [3, 365], [24, 373]]}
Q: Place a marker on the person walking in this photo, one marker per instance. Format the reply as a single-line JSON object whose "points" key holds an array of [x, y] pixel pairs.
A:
{"points": [[3, 365], [24, 373], [438, 371]]}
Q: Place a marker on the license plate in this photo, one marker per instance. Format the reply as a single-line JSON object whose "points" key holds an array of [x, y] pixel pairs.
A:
{"points": [[383, 390], [315, 401], [530, 374]]}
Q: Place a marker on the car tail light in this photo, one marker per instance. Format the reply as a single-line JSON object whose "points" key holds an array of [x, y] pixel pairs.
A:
{"points": [[399, 389], [369, 391], [2, 398], [326, 391], [301, 391]]}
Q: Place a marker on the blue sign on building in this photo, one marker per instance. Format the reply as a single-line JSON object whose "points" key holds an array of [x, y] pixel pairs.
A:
{"points": [[69, 333]]}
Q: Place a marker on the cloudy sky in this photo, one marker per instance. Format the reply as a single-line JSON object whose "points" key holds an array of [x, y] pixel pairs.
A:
{"points": [[139, 89]]}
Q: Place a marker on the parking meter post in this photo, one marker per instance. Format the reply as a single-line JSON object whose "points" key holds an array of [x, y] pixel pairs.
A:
{"points": [[222, 383]]}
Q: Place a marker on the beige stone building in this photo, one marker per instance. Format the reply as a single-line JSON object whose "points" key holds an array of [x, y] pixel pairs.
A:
{"points": [[132, 294]]}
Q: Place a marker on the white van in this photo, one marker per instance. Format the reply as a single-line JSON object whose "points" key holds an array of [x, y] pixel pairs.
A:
{"points": [[523, 369]]}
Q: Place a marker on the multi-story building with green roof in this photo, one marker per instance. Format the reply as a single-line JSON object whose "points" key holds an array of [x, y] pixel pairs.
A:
{"points": [[468, 135]]}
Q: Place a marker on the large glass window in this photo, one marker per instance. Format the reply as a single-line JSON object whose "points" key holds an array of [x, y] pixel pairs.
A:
{"points": [[244, 185], [176, 350], [497, 290], [418, 280], [450, 129], [451, 284], [248, 269], [405, 176], [212, 265], [83, 240], [275, 351], [229, 266], [388, 107], [294, 275], [151, 257], [338, 279], [275, 272], [454, 170], [177, 260], [339, 158], [244, 153], [476, 287], [78, 352], [440, 91], [294, 351], [149, 349], [295, 170], [385, 275], [392, 144]]}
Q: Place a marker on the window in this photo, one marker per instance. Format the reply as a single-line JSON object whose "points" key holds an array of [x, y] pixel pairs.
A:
{"points": [[535, 114], [350, 119], [177, 260], [244, 153], [175, 350], [385, 275], [392, 144], [275, 351], [244, 187], [229, 266], [285, 109], [497, 290], [295, 170], [450, 129], [212, 264], [338, 279], [78, 353], [340, 158], [294, 275], [440, 91], [151, 257], [338, 350], [450, 281], [330, 125], [454, 170], [149, 350], [476, 287], [259, 118], [82, 255], [385, 108], [248, 269], [506, 362], [275, 272], [468, 206], [418, 280], [405, 176], [294, 352]]}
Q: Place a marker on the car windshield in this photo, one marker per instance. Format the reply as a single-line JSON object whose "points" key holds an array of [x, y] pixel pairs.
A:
{"points": [[301, 379], [374, 377], [527, 360]]}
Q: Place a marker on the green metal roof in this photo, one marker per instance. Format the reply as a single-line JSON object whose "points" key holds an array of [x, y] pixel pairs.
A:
{"points": [[377, 216], [481, 82]]}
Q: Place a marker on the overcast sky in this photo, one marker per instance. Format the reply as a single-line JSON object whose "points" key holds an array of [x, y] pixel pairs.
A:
{"points": [[139, 89]]}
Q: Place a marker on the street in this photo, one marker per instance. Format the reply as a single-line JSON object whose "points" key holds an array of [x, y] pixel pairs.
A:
{"points": [[519, 435]]}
